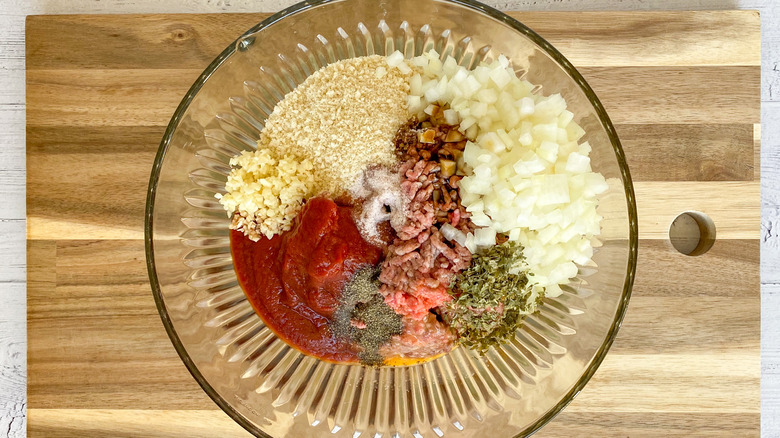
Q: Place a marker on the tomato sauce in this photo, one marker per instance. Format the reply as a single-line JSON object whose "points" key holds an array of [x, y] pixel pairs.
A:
{"points": [[294, 280]]}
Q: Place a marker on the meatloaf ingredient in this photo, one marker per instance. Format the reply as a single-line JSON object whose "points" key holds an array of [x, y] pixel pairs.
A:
{"points": [[421, 338], [294, 281], [265, 193], [364, 318], [343, 118], [432, 140], [379, 189], [527, 175], [416, 273], [420, 263], [492, 297]]}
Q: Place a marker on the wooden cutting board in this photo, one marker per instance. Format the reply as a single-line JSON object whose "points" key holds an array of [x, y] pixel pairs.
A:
{"points": [[681, 87]]}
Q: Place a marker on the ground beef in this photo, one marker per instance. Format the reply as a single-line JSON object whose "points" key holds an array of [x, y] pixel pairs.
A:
{"points": [[420, 338], [420, 264], [416, 273], [417, 187]]}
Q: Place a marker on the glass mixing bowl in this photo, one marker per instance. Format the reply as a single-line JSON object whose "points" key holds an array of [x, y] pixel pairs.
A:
{"points": [[270, 388]]}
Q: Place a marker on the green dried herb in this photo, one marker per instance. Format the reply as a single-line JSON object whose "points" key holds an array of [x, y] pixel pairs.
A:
{"points": [[491, 297]]}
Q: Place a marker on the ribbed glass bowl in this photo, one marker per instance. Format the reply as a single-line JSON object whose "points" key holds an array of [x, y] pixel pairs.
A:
{"points": [[270, 388]]}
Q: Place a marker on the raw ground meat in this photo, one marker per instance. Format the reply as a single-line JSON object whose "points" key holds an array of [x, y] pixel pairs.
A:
{"points": [[417, 272], [424, 337], [420, 265]]}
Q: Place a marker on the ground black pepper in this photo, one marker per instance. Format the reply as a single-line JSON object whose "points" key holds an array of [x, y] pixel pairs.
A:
{"points": [[364, 318]]}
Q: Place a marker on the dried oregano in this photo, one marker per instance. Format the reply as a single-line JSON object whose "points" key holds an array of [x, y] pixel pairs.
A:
{"points": [[491, 297]]}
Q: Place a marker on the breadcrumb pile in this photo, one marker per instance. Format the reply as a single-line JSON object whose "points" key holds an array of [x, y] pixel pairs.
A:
{"points": [[343, 118]]}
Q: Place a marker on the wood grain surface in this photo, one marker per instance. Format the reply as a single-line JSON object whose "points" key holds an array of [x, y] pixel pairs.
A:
{"points": [[682, 87]]}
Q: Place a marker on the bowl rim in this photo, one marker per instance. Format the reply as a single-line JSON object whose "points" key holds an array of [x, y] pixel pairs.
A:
{"points": [[469, 4]]}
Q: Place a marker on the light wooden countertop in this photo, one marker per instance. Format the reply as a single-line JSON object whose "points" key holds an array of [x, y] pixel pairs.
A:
{"points": [[682, 88]]}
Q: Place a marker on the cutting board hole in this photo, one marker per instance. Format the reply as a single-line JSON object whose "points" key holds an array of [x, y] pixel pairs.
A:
{"points": [[692, 233]]}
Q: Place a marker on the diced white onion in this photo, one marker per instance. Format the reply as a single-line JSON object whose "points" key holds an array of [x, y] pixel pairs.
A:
{"points": [[577, 163], [470, 243], [526, 172], [485, 237], [451, 116], [451, 233], [395, 59]]}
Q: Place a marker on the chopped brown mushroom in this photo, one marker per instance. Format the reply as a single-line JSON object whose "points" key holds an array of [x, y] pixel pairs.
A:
{"points": [[454, 136], [427, 136], [447, 168]]}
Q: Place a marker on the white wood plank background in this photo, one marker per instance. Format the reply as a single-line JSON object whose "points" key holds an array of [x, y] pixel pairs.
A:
{"points": [[13, 344]]}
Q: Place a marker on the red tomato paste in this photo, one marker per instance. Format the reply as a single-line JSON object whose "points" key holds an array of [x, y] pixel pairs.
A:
{"points": [[294, 280]]}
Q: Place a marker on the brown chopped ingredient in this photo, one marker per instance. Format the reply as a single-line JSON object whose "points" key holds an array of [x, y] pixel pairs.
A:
{"points": [[447, 168], [406, 135], [454, 136], [437, 116]]}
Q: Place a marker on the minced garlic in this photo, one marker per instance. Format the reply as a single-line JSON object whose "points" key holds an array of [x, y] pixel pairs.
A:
{"points": [[265, 193]]}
